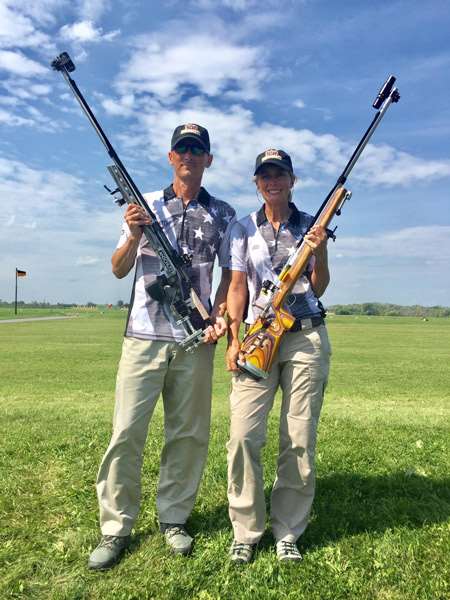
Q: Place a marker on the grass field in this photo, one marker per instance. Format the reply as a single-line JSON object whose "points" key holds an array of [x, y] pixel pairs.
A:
{"points": [[380, 524]]}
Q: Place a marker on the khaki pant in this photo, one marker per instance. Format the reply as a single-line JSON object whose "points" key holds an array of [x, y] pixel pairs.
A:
{"points": [[146, 369], [301, 370]]}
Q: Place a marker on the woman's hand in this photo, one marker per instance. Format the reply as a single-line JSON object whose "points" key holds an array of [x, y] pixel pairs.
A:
{"points": [[317, 239], [232, 356]]}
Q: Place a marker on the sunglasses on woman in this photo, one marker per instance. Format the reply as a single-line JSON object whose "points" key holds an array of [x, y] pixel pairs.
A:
{"points": [[194, 148]]}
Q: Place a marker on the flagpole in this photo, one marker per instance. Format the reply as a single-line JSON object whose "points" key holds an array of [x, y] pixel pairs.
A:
{"points": [[15, 301]]}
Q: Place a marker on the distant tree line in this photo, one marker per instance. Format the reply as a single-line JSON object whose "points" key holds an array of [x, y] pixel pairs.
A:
{"points": [[389, 310], [43, 304], [367, 308]]}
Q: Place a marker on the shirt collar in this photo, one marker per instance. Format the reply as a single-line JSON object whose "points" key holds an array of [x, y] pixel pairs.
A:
{"points": [[203, 197], [294, 218]]}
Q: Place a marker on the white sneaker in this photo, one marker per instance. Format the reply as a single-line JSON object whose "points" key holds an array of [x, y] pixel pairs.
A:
{"points": [[241, 553], [287, 551]]}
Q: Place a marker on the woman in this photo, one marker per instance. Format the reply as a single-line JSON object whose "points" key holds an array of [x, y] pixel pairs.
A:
{"points": [[261, 244]]}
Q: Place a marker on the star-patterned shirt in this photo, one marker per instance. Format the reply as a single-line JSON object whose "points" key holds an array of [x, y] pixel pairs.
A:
{"points": [[200, 229], [261, 252]]}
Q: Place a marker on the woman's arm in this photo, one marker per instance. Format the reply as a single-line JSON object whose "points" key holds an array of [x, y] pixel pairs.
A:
{"points": [[317, 239], [236, 302]]}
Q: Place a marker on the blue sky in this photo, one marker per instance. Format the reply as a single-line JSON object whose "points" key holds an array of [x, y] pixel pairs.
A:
{"points": [[296, 75]]}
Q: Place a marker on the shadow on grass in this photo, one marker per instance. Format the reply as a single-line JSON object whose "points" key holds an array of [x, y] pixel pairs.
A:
{"points": [[348, 504]]}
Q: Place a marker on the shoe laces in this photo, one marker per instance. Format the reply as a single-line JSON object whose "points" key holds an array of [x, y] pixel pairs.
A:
{"points": [[289, 548], [241, 549], [176, 530], [108, 541]]}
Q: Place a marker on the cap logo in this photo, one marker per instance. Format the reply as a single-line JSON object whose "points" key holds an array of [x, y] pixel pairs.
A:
{"points": [[271, 154], [190, 128]]}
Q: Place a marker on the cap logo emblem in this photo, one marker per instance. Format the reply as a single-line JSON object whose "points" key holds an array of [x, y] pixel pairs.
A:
{"points": [[190, 128], [271, 154]]}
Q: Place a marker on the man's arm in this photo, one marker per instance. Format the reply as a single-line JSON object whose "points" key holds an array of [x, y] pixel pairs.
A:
{"points": [[124, 257], [236, 302]]}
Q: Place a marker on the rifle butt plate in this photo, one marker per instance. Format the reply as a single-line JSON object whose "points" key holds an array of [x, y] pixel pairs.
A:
{"points": [[251, 370]]}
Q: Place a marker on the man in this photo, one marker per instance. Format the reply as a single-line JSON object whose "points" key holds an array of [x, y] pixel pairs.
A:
{"points": [[152, 362]]}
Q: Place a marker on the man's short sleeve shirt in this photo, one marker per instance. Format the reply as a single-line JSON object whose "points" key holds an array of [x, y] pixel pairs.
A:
{"points": [[261, 252], [201, 229]]}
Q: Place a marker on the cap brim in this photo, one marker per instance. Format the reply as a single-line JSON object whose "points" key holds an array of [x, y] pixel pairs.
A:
{"points": [[189, 136], [275, 162]]}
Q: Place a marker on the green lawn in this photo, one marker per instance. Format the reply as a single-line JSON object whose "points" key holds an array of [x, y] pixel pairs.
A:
{"points": [[380, 525]]}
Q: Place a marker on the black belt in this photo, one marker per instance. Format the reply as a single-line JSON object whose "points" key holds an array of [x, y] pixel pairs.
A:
{"points": [[303, 324], [300, 324]]}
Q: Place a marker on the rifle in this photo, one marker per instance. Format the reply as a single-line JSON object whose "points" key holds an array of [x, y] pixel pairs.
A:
{"points": [[173, 286], [263, 338]]}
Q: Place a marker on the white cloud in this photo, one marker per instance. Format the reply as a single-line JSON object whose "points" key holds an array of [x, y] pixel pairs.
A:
{"points": [[65, 232], [18, 30], [299, 104], [408, 266], [412, 243], [236, 5], [87, 261], [211, 65], [17, 63], [23, 89], [386, 165], [236, 140], [93, 9], [84, 32], [124, 106], [40, 89], [41, 11], [9, 101], [31, 191], [7, 118]]}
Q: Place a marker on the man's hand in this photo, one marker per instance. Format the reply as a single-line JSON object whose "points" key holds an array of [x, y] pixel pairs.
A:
{"points": [[232, 356], [215, 331], [136, 217]]}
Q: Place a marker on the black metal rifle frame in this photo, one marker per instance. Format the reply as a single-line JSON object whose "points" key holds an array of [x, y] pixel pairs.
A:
{"points": [[173, 264], [387, 95]]}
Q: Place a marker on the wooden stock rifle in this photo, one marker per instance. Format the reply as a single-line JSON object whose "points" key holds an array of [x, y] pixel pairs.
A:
{"points": [[263, 338]]}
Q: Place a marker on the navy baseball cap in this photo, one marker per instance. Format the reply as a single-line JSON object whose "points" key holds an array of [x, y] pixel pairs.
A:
{"points": [[279, 158], [193, 132]]}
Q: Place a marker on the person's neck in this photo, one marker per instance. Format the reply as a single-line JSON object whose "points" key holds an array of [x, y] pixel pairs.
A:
{"points": [[277, 215], [186, 190]]}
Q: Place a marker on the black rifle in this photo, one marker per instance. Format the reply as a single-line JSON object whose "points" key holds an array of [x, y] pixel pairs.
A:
{"points": [[173, 287]]}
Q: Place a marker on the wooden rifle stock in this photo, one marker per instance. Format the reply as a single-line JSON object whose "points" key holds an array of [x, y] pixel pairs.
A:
{"points": [[263, 338]]}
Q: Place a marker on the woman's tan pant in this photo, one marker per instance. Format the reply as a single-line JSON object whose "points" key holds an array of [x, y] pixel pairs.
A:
{"points": [[146, 370], [301, 370]]}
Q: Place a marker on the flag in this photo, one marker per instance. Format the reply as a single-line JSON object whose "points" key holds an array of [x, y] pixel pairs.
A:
{"points": [[20, 273]]}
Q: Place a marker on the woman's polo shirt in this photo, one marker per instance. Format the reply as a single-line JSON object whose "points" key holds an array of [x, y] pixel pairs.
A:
{"points": [[261, 252]]}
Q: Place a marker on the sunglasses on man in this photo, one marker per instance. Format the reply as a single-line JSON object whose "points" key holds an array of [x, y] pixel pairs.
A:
{"points": [[195, 149]]}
